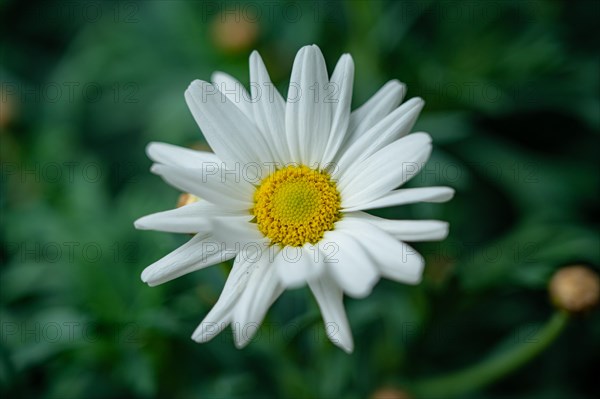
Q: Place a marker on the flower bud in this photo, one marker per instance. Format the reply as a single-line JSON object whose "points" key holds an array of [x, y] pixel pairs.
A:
{"points": [[186, 199], [390, 393], [575, 289], [234, 32], [7, 108]]}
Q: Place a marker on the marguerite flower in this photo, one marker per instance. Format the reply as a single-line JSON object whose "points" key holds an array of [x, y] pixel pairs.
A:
{"points": [[286, 190]]}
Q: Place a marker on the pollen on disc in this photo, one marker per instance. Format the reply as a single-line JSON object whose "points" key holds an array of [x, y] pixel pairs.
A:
{"points": [[296, 205]]}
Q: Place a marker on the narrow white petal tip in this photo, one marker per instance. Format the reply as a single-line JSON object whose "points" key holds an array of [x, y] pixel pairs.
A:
{"points": [[302, 50], [365, 288], [313, 48], [189, 88], [139, 224], [412, 282], [145, 276], [446, 226], [148, 276], [197, 339], [196, 84], [359, 293], [241, 343], [423, 136], [395, 84], [418, 277], [156, 168], [446, 194], [347, 58], [420, 102], [200, 336], [346, 347], [151, 148], [343, 340], [215, 76], [444, 231], [152, 283]]}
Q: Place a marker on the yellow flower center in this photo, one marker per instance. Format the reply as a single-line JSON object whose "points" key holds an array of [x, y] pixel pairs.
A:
{"points": [[296, 205]]}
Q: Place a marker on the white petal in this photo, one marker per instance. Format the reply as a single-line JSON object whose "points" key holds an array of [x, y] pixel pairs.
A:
{"points": [[231, 135], [296, 265], [220, 315], [215, 321], [199, 252], [375, 109], [394, 126], [349, 264], [173, 155], [244, 236], [383, 171], [262, 290], [192, 218], [308, 112], [406, 269], [268, 109], [407, 230], [330, 298], [395, 259], [209, 185], [234, 91], [342, 80], [406, 196]]}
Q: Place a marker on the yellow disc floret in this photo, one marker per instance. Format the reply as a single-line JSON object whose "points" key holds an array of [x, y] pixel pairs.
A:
{"points": [[296, 205]]}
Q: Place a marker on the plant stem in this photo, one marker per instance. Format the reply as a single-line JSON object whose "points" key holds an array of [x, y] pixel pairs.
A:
{"points": [[493, 368]]}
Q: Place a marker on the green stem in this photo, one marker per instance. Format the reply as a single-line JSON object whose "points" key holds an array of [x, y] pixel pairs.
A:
{"points": [[493, 368]]}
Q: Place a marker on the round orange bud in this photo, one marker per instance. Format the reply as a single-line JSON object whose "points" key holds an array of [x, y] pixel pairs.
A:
{"points": [[575, 288], [390, 393], [186, 199], [7, 109], [234, 32]]}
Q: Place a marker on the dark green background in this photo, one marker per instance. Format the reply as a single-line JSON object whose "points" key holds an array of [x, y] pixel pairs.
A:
{"points": [[513, 108]]}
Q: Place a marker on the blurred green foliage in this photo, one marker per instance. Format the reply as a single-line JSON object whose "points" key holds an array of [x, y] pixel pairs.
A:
{"points": [[513, 107]]}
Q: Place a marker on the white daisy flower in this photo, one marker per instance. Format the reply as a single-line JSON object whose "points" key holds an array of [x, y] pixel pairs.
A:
{"points": [[286, 190]]}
